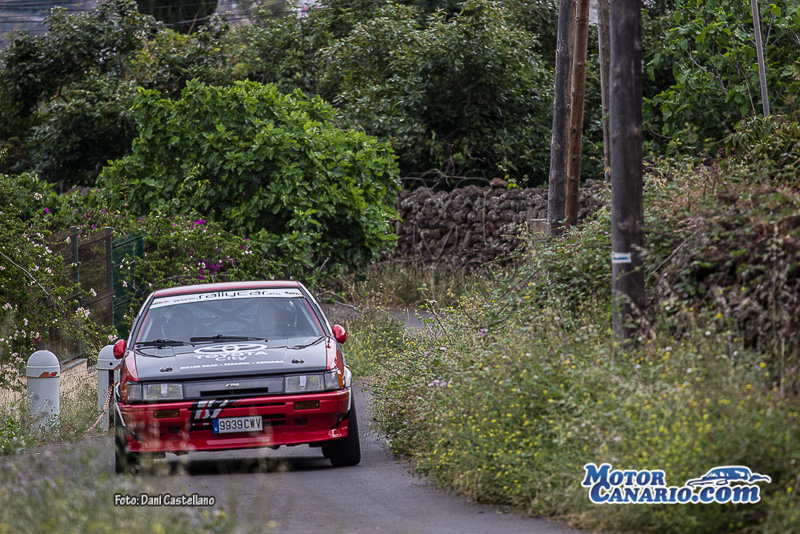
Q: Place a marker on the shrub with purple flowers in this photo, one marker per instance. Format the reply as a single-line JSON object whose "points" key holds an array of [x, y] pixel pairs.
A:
{"points": [[178, 250], [34, 288]]}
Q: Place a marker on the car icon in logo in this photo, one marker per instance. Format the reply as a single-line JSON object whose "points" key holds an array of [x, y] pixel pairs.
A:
{"points": [[721, 476]]}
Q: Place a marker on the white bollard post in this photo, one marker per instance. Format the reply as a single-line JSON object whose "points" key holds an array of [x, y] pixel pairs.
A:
{"points": [[43, 375], [107, 365]]}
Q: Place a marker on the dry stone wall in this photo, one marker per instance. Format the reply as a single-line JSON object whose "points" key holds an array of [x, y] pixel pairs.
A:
{"points": [[474, 224]]}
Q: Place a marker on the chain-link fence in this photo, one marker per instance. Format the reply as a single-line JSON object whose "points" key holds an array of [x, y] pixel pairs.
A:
{"points": [[125, 252], [101, 268]]}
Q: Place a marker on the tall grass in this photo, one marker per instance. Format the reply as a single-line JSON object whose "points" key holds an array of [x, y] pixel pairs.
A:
{"points": [[78, 411], [374, 336]]}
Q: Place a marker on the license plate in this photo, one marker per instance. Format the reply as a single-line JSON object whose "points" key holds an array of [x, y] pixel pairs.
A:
{"points": [[238, 424]]}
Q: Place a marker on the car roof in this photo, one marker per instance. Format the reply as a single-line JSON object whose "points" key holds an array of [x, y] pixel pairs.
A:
{"points": [[226, 286]]}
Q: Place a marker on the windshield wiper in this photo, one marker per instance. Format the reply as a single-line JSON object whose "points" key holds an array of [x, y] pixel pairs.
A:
{"points": [[160, 343], [220, 337], [308, 344]]}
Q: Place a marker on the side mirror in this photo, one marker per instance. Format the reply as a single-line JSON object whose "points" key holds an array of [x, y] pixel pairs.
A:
{"points": [[339, 334], [119, 349]]}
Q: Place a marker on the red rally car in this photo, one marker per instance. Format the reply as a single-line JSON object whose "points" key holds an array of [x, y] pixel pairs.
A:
{"points": [[232, 366]]}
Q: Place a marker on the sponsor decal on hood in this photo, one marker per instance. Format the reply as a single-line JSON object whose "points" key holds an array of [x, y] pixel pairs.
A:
{"points": [[240, 358]]}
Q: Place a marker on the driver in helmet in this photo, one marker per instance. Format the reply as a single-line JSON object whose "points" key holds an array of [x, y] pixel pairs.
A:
{"points": [[179, 324], [274, 318]]}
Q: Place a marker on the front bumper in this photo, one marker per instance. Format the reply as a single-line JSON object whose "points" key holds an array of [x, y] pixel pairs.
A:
{"points": [[146, 428]]}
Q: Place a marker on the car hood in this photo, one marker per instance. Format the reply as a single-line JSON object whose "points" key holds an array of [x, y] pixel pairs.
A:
{"points": [[231, 359]]}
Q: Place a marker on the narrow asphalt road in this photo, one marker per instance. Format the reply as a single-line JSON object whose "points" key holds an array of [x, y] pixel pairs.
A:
{"points": [[295, 490]]}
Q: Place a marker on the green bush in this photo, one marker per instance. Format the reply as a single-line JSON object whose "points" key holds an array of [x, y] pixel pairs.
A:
{"points": [[265, 165], [706, 60], [725, 239], [769, 146]]}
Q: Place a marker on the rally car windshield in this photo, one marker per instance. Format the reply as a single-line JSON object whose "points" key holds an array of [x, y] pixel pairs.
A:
{"points": [[198, 320]]}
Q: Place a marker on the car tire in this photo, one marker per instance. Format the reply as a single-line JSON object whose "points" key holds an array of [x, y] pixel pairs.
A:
{"points": [[124, 462], [346, 451]]}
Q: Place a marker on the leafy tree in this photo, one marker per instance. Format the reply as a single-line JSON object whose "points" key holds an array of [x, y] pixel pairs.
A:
{"points": [[79, 132], [265, 165], [168, 60], [711, 53], [283, 50], [75, 46], [63, 98], [465, 96], [68, 94], [540, 19]]}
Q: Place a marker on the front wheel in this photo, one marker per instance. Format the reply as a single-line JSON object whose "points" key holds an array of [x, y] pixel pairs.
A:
{"points": [[346, 451], [124, 461]]}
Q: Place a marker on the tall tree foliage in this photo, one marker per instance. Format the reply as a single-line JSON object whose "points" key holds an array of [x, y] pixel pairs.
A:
{"points": [[461, 91], [465, 96], [66, 95], [711, 54], [64, 99]]}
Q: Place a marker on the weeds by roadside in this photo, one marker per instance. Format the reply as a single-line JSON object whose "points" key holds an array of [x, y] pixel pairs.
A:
{"points": [[78, 412], [374, 337], [510, 414], [48, 492]]}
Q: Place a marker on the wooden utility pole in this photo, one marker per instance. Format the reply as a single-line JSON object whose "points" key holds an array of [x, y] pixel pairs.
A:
{"points": [[604, 42], [576, 112], [561, 105], [627, 213], [762, 69]]}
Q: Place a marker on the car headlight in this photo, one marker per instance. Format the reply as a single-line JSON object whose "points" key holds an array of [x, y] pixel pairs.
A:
{"points": [[131, 392], [310, 383], [156, 392], [304, 383], [333, 380]]}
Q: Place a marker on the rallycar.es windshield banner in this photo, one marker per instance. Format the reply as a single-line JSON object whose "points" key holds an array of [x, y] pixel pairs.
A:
{"points": [[724, 484], [225, 295]]}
